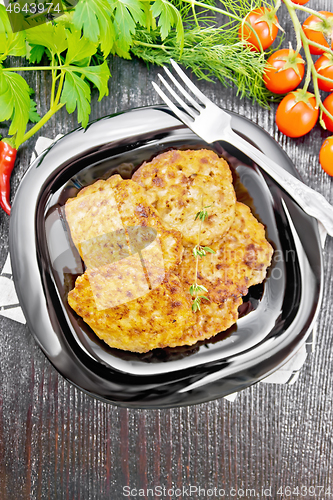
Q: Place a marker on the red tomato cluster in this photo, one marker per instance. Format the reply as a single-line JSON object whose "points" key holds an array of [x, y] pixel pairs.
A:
{"points": [[298, 112]]}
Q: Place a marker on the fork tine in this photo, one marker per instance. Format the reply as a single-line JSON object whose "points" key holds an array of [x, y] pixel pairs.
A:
{"points": [[177, 98], [190, 84], [178, 112], [182, 90]]}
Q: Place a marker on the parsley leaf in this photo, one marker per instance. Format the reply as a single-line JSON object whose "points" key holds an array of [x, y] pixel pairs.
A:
{"points": [[54, 37], [12, 44], [99, 76], [169, 16], [35, 53], [126, 14], [76, 95], [78, 48], [14, 102], [93, 17], [33, 114], [5, 26]]}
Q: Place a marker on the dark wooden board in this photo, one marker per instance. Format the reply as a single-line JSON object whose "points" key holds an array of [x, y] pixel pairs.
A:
{"points": [[58, 443]]}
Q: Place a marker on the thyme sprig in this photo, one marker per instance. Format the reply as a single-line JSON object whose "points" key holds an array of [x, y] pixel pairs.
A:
{"points": [[194, 291], [199, 252]]}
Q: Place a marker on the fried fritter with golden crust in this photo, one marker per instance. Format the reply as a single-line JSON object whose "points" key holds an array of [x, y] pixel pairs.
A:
{"points": [[212, 319], [180, 183], [240, 260], [155, 319], [104, 219]]}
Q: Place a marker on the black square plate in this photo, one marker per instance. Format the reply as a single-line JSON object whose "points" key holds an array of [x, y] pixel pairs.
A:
{"points": [[276, 317]]}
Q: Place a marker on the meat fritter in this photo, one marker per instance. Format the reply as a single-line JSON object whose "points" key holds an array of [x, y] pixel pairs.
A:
{"points": [[180, 183], [105, 221], [156, 319], [241, 259]]}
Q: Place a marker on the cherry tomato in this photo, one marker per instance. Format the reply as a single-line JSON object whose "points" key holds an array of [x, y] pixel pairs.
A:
{"points": [[326, 156], [265, 23], [284, 71], [328, 103], [324, 66], [319, 31], [300, 2], [297, 113]]}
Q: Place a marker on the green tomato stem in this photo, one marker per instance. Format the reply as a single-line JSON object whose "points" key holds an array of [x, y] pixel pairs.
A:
{"points": [[310, 11], [311, 70], [319, 46]]}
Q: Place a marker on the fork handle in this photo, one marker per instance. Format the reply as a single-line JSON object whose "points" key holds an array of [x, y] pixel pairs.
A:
{"points": [[312, 202]]}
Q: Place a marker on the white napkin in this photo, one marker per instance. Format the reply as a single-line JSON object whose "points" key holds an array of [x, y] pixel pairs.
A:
{"points": [[9, 303]]}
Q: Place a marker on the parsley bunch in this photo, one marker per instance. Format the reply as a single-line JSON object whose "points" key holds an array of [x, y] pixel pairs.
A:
{"points": [[69, 55], [75, 46]]}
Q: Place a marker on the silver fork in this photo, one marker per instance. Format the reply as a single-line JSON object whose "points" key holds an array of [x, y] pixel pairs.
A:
{"points": [[211, 123]]}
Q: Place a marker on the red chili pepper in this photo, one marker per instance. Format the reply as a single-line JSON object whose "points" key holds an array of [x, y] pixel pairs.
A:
{"points": [[7, 162]]}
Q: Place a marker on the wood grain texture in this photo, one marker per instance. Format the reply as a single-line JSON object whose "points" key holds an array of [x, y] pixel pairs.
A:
{"points": [[58, 443]]}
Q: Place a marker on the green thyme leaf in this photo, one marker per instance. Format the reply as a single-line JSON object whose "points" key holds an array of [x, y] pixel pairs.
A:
{"points": [[202, 215], [197, 302], [196, 305], [209, 250], [197, 288], [203, 297]]}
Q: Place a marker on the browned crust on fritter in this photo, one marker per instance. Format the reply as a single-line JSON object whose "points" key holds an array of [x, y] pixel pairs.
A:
{"points": [[241, 259], [157, 319], [212, 319]]}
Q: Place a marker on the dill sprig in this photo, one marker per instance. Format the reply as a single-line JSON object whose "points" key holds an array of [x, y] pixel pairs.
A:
{"points": [[211, 47], [199, 252]]}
